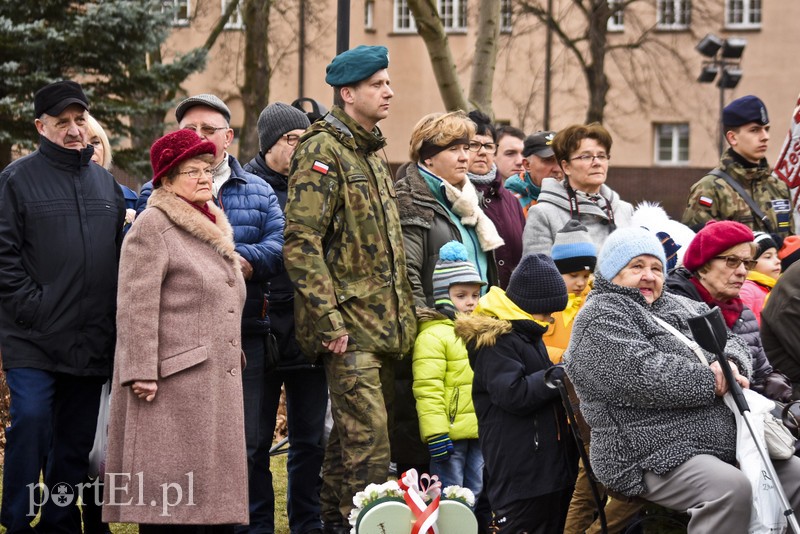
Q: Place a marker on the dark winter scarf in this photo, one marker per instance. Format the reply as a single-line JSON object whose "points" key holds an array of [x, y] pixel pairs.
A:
{"points": [[731, 310]]}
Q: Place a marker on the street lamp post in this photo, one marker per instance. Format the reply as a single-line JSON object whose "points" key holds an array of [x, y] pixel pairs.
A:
{"points": [[724, 59]]}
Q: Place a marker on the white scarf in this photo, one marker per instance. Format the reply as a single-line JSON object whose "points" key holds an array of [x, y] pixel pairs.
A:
{"points": [[464, 203]]}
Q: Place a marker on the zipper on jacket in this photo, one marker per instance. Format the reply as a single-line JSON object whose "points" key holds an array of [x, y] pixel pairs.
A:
{"points": [[454, 405], [535, 433]]}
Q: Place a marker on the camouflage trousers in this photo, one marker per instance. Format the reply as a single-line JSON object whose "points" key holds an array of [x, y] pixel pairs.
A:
{"points": [[362, 391]]}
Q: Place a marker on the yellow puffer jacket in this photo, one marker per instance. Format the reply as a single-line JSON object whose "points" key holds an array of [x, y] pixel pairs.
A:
{"points": [[556, 339], [442, 380]]}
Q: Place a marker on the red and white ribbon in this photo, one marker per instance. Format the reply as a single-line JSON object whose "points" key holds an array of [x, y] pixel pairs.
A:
{"points": [[415, 488], [787, 167]]}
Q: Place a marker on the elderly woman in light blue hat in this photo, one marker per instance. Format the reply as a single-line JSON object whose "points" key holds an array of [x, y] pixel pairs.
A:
{"points": [[659, 427]]}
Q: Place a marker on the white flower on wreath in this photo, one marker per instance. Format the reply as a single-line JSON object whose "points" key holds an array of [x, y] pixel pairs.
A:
{"points": [[457, 493], [372, 493]]}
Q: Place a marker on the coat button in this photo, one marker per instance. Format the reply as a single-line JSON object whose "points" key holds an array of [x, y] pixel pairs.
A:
{"points": [[231, 311], [232, 372], [501, 262], [231, 283], [234, 342]]}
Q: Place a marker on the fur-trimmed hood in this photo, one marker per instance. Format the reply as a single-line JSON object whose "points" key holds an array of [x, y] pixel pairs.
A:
{"points": [[415, 202], [219, 235], [481, 330]]}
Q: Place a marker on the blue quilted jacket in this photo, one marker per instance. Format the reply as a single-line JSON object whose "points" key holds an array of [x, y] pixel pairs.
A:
{"points": [[257, 220]]}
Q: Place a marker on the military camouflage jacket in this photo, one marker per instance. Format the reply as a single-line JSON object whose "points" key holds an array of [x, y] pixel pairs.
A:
{"points": [[712, 198], [344, 244]]}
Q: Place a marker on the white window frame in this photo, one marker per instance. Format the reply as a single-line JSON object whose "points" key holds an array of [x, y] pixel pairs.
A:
{"points": [[403, 20], [175, 7], [682, 10], [369, 15], [616, 22], [673, 135], [236, 22], [751, 14], [506, 16]]}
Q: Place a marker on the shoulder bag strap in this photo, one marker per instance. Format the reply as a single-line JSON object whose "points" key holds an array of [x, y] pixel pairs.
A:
{"points": [[747, 198], [686, 341]]}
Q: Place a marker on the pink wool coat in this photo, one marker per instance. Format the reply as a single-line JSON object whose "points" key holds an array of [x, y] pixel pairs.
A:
{"points": [[179, 459]]}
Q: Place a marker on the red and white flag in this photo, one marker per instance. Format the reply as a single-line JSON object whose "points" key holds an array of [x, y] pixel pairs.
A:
{"points": [[787, 167]]}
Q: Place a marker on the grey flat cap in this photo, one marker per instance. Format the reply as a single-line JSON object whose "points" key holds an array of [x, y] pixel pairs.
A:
{"points": [[205, 99]]}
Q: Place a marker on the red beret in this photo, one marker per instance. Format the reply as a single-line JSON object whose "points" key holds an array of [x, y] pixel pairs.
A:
{"points": [[175, 148], [715, 237]]}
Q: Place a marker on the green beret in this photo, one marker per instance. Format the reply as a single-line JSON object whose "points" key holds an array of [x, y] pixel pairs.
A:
{"points": [[355, 65]]}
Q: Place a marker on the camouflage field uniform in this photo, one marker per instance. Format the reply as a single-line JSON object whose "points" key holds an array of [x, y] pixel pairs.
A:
{"points": [[344, 254], [712, 198]]}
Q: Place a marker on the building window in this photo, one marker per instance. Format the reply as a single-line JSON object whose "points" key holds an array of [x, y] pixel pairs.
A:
{"points": [[235, 22], [369, 15], [179, 9], [672, 144], [616, 22], [403, 19], [743, 14], [673, 14], [452, 12], [506, 15]]}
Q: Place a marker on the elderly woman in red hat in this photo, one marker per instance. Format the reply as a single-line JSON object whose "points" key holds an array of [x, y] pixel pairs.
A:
{"points": [[715, 268], [176, 454]]}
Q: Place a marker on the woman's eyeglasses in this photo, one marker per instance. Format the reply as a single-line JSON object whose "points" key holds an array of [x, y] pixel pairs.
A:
{"points": [[195, 174], [733, 262], [589, 158], [475, 146]]}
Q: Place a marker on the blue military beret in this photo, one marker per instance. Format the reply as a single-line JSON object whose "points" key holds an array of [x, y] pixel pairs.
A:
{"points": [[743, 110], [355, 65]]}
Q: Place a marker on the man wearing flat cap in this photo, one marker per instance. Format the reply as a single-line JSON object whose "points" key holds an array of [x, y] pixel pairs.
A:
{"points": [[539, 163], [279, 129], [344, 254], [61, 219], [742, 188]]}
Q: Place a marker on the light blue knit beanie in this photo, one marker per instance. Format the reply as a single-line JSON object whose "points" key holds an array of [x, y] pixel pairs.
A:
{"points": [[625, 244]]}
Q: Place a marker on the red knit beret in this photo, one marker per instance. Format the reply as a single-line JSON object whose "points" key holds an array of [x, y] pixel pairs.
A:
{"points": [[175, 148], [715, 237]]}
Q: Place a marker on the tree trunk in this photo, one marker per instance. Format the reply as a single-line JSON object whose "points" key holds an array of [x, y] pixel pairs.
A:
{"points": [[257, 73], [5, 154], [596, 79], [430, 28], [483, 67]]}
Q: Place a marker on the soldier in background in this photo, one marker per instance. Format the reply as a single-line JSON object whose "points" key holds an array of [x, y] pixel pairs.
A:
{"points": [[344, 254], [744, 165]]}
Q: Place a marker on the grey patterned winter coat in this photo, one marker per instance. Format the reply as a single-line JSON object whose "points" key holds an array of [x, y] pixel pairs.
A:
{"points": [[648, 399]]}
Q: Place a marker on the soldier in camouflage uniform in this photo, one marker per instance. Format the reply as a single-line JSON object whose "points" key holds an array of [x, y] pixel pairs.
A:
{"points": [[747, 131], [344, 254]]}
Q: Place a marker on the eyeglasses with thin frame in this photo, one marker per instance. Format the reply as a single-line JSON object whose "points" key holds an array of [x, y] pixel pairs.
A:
{"points": [[195, 174], [733, 262], [291, 139], [475, 146], [205, 129], [589, 158]]}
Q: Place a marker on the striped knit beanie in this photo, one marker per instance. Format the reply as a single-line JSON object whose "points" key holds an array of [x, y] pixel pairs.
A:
{"points": [[572, 250], [452, 268], [765, 241]]}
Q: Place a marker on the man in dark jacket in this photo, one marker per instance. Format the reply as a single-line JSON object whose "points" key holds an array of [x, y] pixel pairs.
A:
{"points": [[257, 220], [61, 223], [779, 320], [279, 128]]}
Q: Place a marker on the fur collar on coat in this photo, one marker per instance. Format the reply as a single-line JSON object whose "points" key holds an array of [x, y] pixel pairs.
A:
{"points": [[219, 235]]}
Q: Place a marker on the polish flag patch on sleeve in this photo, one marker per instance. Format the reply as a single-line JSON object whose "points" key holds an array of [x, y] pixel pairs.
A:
{"points": [[706, 202], [320, 167]]}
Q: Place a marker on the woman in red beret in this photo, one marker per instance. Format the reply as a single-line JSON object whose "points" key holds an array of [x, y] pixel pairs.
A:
{"points": [[176, 450], [715, 268]]}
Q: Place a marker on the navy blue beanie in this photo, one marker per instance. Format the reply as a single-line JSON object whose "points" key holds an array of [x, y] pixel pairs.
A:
{"points": [[536, 285]]}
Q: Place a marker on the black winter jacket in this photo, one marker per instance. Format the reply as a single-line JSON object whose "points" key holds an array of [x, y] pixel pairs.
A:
{"points": [[280, 291], [522, 427], [746, 326], [61, 220]]}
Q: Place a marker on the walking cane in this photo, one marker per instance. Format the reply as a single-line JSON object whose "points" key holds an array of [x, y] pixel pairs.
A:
{"points": [[554, 379], [710, 332]]}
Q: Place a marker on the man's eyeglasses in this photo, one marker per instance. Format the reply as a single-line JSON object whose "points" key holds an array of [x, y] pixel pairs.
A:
{"points": [[205, 129], [195, 174], [475, 146], [733, 262], [589, 158], [291, 139]]}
